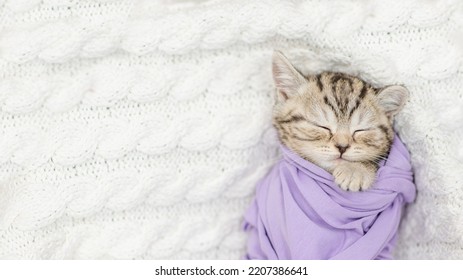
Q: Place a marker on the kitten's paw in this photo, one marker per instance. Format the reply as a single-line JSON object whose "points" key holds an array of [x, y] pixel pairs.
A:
{"points": [[353, 179]]}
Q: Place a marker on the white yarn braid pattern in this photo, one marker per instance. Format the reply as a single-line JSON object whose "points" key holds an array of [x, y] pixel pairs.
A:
{"points": [[138, 129]]}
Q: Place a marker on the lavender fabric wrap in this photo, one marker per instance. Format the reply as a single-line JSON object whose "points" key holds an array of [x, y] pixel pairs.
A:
{"points": [[300, 213]]}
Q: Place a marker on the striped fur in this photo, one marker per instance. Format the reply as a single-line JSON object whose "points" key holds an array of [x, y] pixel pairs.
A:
{"points": [[337, 121]]}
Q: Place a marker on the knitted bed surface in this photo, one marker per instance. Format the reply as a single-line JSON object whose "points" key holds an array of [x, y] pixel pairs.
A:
{"points": [[138, 129]]}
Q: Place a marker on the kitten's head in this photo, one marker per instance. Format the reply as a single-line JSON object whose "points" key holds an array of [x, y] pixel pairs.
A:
{"points": [[333, 117]]}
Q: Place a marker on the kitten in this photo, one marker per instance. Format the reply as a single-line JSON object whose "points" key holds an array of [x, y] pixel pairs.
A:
{"points": [[336, 121]]}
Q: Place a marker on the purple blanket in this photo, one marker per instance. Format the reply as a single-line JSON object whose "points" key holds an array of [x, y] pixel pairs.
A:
{"points": [[300, 213]]}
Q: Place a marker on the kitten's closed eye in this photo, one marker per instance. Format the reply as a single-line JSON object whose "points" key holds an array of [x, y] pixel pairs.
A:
{"points": [[324, 127], [361, 130]]}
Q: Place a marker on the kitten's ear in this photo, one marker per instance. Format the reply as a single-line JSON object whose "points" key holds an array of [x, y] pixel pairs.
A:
{"points": [[287, 78], [392, 99]]}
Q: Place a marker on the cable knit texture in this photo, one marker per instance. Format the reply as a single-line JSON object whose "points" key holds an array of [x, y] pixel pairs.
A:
{"points": [[138, 129]]}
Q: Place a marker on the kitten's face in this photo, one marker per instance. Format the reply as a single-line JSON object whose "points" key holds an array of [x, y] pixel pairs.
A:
{"points": [[333, 118]]}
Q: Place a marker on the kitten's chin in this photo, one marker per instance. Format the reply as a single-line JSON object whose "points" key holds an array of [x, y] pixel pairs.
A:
{"points": [[340, 160]]}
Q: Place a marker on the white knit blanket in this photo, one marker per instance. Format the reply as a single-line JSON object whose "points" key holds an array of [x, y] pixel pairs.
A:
{"points": [[138, 129]]}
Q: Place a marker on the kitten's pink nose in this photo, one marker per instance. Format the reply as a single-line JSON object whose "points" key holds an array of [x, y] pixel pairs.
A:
{"points": [[342, 148]]}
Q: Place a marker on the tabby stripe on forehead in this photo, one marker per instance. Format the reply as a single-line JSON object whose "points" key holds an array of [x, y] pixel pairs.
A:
{"points": [[343, 105], [357, 104], [337, 97], [334, 80], [318, 79], [348, 80], [363, 92], [341, 102], [325, 98]]}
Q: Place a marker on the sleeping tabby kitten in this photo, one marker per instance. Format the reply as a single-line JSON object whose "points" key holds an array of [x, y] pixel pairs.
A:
{"points": [[336, 121]]}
